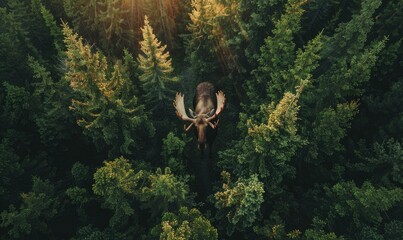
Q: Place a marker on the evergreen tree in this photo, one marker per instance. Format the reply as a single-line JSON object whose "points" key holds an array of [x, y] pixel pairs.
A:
{"points": [[314, 88], [239, 203], [163, 14], [103, 22], [117, 183], [207, 45], [106, 109], [156, 65], [37, 207], [186, 224]]}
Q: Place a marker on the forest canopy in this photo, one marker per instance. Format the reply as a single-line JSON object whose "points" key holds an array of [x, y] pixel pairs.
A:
{"points": [[309, 145]]}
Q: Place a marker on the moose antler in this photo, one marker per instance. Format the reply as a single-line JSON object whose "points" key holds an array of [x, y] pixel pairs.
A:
{"points": [[180, 108], [220, 105]]}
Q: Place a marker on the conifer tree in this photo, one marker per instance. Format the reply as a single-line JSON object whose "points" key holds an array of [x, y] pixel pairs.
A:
{"points": [[156, 65], [277, 132], [207, 45], [278, 55], [239, 203], [30, 218], [340, 82], [54, 97], [103, 22], [116, 182], [163, 14], [106, 108], [187, 224]]}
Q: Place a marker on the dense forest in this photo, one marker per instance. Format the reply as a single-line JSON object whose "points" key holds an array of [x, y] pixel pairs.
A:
{"points": [[309, 145]]}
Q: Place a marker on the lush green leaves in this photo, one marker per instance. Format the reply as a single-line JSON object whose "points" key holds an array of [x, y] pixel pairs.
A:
{"points": [[117, 183], [239, 203], [186, 224]]}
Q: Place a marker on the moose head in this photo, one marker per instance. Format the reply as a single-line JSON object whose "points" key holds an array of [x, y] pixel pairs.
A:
{"points": [[208, 105]]}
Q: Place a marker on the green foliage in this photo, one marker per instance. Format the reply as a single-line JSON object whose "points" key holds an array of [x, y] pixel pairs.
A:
{"points": [[164, 191], [107, 110], [353, 208], [393, 230], [278, 55], [186, 224], [317, 232], [276, 232], [89, 233], [269, 145], [77, 195], [116, 182], [239, 203], [331, 127], [10, 166], [103, 20], [54, 121], [16, 105], [383, 162], [54, 30], [314, 88], [12, 36], [156, 65], [348, 38], [80, 172], [199, 44], [37, 208], [172, 152]]}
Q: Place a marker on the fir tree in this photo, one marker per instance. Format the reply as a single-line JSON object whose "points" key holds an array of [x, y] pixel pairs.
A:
{"points": [[156, 65], [106, 109]]}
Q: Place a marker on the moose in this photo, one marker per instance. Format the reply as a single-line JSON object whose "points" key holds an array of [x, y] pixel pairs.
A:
{"points": [[207, 105]]}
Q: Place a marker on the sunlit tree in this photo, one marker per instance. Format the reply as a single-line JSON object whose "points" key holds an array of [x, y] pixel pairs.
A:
{"points": [[104, 22], [163, 14], [239, 203], [107, 109], [117, 183], [187, 224], [164, 191], [156, 65], [207, 45]]}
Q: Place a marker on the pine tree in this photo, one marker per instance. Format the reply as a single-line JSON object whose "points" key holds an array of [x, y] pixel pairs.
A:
{"points": [[278, 57], [278, 132], [156, 65], [117, 183], [103, 22], [30, 218], [340, 81], [163, 14], [207, 45], [106, 108]]}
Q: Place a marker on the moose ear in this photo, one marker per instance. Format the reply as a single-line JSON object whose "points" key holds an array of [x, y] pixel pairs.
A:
{"points": [[192, 114]]}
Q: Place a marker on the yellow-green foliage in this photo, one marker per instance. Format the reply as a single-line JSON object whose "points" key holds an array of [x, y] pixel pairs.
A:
{"points": [[116, 182], [187, 224], [164, 191], [156, 65], [239, 203], [106, 107]]}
